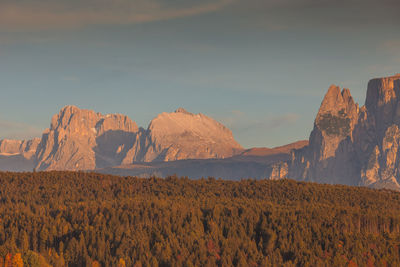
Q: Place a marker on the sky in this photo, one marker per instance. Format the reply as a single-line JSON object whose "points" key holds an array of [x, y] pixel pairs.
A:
{"points": [[259, 67]]}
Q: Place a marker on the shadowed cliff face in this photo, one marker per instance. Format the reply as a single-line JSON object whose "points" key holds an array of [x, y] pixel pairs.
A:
{"points": [[352, 145], [261, 163]]}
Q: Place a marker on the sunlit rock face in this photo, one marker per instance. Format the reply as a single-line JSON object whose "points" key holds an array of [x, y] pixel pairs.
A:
{"points": [[183, 135], [81, 139], [278, 171], [352, 145], [331, 142], [378, 147]]}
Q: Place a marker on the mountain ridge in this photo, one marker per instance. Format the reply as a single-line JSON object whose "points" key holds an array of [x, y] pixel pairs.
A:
{"points": [[348, 144], [81, 139]]}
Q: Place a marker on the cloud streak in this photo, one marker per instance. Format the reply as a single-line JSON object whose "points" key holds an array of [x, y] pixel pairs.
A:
{"points": [[319, 14], [16, 130], [49, 14], [392, 48], [241, 122], [23, 15]]}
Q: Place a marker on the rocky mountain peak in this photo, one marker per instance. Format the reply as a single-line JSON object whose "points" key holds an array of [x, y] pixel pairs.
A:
{"points": [[355, 146], [181, 123], [382, 102], [83, 139], [80, 139], [183, 135], [330, 149], [336, 101], [63, 117], [382, 91], [338, 112], [182, 110], [331, 98], [75, 119], [112, 122]]}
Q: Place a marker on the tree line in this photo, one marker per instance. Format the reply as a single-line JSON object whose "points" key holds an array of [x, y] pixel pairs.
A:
{"points": [[90, 219]]}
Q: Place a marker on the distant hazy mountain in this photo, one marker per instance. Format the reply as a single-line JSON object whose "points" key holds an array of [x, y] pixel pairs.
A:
{"points": [[16, 147], [259, 163], [16, 155]]}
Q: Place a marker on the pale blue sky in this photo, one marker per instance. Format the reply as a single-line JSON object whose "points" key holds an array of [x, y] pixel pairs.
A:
{"points": [[259, 67]]}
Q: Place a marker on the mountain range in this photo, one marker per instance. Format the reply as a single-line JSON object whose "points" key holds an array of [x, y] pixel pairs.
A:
{"points": [[80, 139], [349, 144]]}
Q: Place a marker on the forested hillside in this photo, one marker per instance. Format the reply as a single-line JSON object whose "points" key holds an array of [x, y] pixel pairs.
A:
{"points": [[88, 219]]}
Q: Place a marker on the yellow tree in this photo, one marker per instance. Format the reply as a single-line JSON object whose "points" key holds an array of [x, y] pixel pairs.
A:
{"points": [[121, 263], [7, 260], [17, 260]]}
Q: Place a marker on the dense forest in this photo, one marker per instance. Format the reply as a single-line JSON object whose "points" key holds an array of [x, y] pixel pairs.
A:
{"points": [[89, 219]]}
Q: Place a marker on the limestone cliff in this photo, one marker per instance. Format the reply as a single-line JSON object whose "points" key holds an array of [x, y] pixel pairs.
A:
{"points": [[378, 137], [183, 135], [352, 145], [81, 139]]}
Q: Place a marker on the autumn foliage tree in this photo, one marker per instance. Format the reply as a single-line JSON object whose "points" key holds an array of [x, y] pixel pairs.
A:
{"points": [[89, 219]]}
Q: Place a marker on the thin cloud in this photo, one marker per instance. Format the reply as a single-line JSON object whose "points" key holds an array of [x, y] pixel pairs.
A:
{"points": [[391, 45], [70, 79], [280, 120], [392, 48], [17, 130], [241, 122], [322, 15], [46, 14]]}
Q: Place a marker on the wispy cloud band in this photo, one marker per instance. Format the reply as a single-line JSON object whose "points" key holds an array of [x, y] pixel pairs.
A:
{"points": [[46, 14], [240, 121], [17, 130]]}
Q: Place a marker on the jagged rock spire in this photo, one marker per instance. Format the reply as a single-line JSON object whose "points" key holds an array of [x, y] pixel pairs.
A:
{"points": [[351, 145]]}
